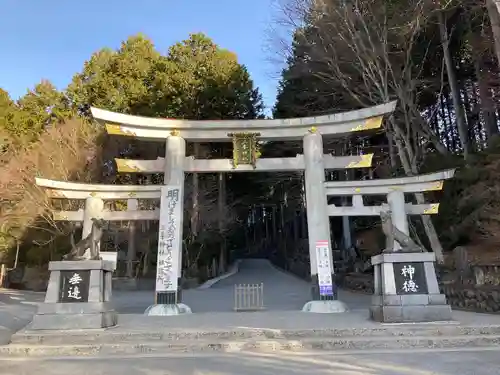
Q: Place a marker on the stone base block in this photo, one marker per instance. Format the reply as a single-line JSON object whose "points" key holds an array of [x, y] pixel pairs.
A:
{"points": [[410, 309], [168, 310], [78, 297], [325, 307], [170, 297], [406, 289], [73, 321]]}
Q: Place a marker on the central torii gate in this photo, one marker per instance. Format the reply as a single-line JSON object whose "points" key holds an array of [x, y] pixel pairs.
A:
{"points": [[176, 132], [244, 135]]}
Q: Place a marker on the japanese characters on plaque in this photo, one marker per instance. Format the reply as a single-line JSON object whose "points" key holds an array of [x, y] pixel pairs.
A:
{"points": [[74, 286], [324, 269], [168, 241], [410, 278]]}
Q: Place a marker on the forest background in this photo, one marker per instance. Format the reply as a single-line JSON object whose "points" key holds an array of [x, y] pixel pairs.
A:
{"points": [[438, 59]]}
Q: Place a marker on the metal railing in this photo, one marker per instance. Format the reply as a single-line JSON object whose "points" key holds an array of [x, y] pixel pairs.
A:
{"points": [[248, 297]]}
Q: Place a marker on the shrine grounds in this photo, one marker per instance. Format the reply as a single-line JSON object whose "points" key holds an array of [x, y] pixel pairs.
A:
{"points": [[284, 295]]}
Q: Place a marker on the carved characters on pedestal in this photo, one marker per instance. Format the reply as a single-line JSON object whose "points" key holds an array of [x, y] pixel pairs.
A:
{"points": [[74, 290], [409, 278], [74, 286]]}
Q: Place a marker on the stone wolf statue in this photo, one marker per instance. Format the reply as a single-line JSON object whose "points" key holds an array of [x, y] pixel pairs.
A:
{"points": [[392, 233], [91, 242]]}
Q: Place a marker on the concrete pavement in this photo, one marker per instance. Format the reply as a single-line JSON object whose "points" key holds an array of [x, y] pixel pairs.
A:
{"points": [[419, 363], [16, 310], [284, 295], [282, 292]]}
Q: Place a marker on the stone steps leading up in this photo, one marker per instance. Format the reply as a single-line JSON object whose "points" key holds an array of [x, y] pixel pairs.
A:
{"points": [[217, 345], [117, 335], [118, 341]]}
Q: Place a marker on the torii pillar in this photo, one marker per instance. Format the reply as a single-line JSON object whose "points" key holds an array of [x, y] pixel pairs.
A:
{"points": [[169, 259], [323, 288]]}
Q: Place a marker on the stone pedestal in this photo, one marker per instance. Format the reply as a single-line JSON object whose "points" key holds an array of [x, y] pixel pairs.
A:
{"points": [[324, 303], [168, 303], [78, 297], [325, 307], [167, 309], [406, 289]]}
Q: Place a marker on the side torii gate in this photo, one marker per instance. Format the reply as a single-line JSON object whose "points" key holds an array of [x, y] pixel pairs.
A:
{"points": [[95, 196], [394, 189], [406, 287]]}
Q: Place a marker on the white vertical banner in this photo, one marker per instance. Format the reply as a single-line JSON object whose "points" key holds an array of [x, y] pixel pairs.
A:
{"points": [[324, 268], [169, 242]]}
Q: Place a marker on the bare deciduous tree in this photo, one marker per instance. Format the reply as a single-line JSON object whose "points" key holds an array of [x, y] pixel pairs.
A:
{"points": [[367, 49], [66, 151]]}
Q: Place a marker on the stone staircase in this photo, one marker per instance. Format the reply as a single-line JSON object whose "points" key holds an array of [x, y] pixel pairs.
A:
{"points": [[118, 342]]}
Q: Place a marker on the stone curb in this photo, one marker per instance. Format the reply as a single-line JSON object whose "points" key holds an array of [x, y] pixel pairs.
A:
{"points": [[235, 267], [263, 346], [112, 336], [5, 335]]}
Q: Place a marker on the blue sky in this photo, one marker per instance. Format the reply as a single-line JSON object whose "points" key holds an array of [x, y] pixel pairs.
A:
{"points": [[51, 39]]}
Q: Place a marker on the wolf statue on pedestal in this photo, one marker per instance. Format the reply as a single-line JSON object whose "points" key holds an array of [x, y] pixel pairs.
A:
{"points": [[92, 241], [394, 234]]}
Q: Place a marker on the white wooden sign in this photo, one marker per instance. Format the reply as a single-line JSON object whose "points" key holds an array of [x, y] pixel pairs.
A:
{"points": [[324, 268], [169, 242]]}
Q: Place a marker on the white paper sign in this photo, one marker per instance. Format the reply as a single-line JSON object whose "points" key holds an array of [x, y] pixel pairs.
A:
{"points": [[167, 271], [111, 256], [324, 268]]}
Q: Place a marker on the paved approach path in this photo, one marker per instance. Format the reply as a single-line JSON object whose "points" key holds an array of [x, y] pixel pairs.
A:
{"points": [[16, 310], [282, 292], [281, 363]]}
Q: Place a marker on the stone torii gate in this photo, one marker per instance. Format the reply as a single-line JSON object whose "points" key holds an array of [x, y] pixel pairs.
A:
{"points": [[406, 287], [426, 305], [242, 133], [394, 189], [95, 196]]}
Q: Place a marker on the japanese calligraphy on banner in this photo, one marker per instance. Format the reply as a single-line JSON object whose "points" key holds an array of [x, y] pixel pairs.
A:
{"points": [[324, 268], [169, 242]]}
